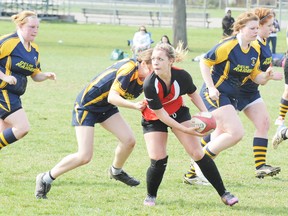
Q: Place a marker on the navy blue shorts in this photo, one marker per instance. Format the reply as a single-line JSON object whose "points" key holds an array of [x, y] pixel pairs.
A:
{"points": [[180, 116], [81, 117], [212, 105], [245, 100], [9, 103]]}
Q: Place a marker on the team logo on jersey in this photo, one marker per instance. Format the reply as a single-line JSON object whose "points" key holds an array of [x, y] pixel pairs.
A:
{"points": [[253, 61]]}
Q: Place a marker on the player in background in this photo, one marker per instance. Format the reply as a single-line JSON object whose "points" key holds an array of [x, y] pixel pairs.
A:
{"points": [[19, 58], [281, 133], [163, 91], [97, 103], [224, 96]]}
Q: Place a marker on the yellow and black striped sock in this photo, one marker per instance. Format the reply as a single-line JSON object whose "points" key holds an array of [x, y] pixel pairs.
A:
{"points": [[283, 108], [260, 150], [209, 153], [205, 140], [191, 172], [7, 137]]}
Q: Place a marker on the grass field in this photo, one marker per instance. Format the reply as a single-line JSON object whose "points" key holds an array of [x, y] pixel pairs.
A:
{"points": [[84, 52]]}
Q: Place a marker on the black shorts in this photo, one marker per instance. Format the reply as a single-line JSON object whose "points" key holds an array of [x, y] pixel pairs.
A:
{"points": [[180, 116]]}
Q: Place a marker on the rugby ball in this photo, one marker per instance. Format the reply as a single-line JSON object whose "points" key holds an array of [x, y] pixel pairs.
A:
{"points": [[205, 121]]}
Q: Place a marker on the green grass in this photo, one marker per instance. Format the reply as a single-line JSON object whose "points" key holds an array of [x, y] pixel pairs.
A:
{"points": [[87, 190]]}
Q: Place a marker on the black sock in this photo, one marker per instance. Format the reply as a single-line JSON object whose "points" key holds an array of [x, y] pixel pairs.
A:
{"points": [[155, 175], [210, 171]]}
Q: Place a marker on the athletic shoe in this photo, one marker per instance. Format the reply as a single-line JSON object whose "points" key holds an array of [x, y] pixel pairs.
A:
{"points": [[229, 199], [42, 188], [150, 201], [267, 170], [278, 137], [194, 180], [124, 177], [279, 121]]}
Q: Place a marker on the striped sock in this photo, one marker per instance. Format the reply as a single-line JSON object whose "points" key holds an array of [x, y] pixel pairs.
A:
{"points": [[205, 140], [283, 108], [7, 137], [259, 151]]}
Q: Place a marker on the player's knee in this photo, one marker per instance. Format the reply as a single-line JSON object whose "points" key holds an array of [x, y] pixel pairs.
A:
{"points": [[84, 158], [130, 142], [238, 134], [21, 131]]}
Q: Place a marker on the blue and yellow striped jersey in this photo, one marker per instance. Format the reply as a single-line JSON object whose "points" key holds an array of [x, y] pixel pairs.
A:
{"points": [[231, 65], [265, 61], [122, 77], [18, 61]]}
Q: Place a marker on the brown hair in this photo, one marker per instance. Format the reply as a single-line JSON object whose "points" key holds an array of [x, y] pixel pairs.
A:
{"points": [[21, 18], [264, 15], [242, 20]]}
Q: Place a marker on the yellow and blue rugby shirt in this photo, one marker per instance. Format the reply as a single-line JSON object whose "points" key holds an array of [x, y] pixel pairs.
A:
{"points": [[231, 65], [265, 61], [17, 61], [122, 77]]}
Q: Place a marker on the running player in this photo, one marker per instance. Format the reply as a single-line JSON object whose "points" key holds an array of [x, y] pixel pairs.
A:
{"points": [[97, 103], [238, 57], [281, 133], [163, 91], [19, 58]]}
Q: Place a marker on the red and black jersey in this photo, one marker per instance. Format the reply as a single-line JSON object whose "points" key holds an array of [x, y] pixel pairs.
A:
{"points": [[157, 95]]}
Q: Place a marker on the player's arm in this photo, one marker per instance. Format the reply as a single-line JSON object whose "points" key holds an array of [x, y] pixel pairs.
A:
{"points": [[197, 101], [115, 98], [165, 118], [39, 77], [263, 77], [205, 71], [7, 78]]}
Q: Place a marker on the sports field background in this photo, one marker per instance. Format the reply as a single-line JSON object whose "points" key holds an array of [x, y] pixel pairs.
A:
{"points": [[84, 52]]}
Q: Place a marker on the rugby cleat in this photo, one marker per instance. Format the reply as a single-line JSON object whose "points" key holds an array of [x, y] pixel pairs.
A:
{"points": [[267, 170], [229, 199], [279, 137], [42, 188], [194, 180], [150, 201], [124, 177]]}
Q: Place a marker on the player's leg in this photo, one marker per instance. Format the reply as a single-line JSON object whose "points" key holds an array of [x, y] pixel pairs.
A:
{"points": [[116, 125], [283, 106], [231, 128], [260, 140], [18, 127], [156, 142], [206, 164], [85, 139]]}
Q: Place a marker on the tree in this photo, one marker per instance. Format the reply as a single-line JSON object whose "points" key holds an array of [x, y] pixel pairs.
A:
{"points": [[179, 22]]}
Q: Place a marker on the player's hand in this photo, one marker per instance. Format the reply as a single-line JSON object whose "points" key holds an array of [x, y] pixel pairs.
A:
{"points": [[50, 75], [213, 93], [277, 76], [141, 105], [10, 80], [193, 131], [271, 75]]}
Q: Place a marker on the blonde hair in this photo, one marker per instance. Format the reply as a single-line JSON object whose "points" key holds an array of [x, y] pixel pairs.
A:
{"points": [[177, 53], [264, 15], [22, 17], [242, 20], [145, 56]]}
